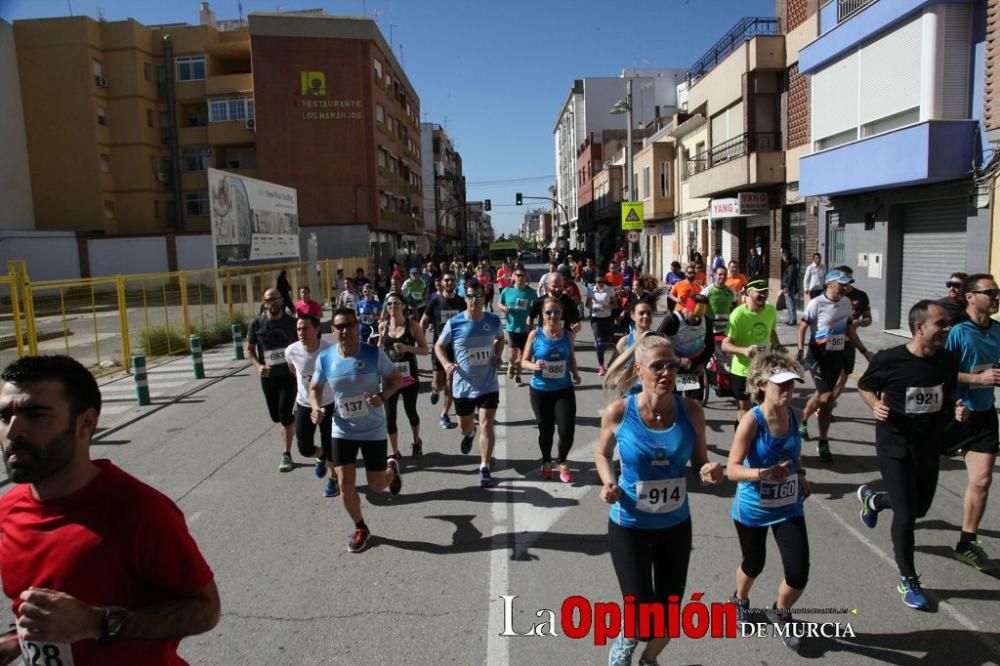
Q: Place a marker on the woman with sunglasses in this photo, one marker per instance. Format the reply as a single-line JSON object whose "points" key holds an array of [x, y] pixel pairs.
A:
{"points": [[642, 320], [548, 353], [765, 460], [649, 531], [403, 338]]}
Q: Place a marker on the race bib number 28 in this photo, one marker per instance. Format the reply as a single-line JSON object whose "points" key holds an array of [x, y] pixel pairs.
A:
{"points": [[38, 653]]}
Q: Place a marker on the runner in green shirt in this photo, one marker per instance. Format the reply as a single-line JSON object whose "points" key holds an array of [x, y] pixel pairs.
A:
{"points": [[515, 303], [721, 299], [750, 330], [416, 290]]}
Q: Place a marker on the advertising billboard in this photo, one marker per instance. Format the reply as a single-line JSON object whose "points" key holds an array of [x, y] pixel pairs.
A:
{"points": [[253, 221]]}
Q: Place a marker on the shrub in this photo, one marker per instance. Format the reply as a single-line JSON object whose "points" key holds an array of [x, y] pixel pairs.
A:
{"points": [[162, 340]]}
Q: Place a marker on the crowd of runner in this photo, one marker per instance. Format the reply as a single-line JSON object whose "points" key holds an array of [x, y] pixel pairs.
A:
{"points": [[714, 333]]}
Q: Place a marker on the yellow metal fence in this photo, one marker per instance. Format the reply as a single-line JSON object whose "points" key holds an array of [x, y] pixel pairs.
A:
{"points": [[102, 322]]}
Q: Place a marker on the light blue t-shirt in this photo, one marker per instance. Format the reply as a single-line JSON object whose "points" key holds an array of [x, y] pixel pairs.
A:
{"points": [[474, 344], [556, 354], [352, 378], [763, 503], [978, 349], [654, 464], [519, 301]]}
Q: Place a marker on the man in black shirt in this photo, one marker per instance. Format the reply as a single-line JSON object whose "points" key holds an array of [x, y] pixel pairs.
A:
{"points": [[570, 313], [911, 391], [441, 307], [954, 303], [270, 333]]}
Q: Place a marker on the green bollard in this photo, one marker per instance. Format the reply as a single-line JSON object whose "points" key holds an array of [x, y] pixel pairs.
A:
{"points": [[199, 365], [141, 383], [237, 342]]}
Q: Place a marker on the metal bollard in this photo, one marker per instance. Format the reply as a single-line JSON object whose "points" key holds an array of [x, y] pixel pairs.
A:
{"points": [[141, 383], [199, 365], [237, 342]]}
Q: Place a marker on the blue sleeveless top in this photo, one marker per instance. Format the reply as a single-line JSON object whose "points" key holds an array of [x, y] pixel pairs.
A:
{"points": [[762, 503], [556, 354], [653, 470]]}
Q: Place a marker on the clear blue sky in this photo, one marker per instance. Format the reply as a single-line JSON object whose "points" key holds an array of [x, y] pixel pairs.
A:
{"points": [[494, 73]]}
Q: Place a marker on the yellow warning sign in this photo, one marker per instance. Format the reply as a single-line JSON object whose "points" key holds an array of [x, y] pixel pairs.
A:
{"points": [[632, 216]]}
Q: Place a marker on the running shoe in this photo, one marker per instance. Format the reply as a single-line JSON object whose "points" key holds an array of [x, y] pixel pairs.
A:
{"points": [[359, 541], [434, 397], [397, 478], [510, 370], [869, 516], [319, 469], [742, 609], [447, 423], [286, 463], [486, 480], [621, 651], [418, 448], [913, 596], [564, 474], [972, 553], [601, 371], [648, 662], [823, 448], [396, 456], [518, 380], [466, 444], [783, 622], [332, 489], [547, 471], [804, 431]]}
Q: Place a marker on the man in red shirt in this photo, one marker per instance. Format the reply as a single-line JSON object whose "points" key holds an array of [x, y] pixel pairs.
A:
{"points": [[306, 305], [687, 287], [99, 567]]}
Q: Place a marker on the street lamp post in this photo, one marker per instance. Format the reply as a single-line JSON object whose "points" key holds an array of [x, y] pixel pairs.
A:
{"points": [[625, 106]]}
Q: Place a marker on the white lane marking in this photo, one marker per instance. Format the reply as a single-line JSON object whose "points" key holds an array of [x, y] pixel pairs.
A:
{"points": [[193, 517], [956, 615], [497, 647]]}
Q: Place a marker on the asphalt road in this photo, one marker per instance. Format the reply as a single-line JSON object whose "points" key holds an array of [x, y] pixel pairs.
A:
{"points": [[430, 588]]}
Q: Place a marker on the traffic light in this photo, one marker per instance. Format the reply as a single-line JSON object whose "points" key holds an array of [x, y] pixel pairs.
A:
{"points": [[487, 205], [518, 199]]}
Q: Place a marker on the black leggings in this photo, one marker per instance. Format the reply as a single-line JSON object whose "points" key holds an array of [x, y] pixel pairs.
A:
{"points": [[651, 565], [793, 544], [910, 484], [603, 329], [409, 394], [305, 432], [554, 409]]}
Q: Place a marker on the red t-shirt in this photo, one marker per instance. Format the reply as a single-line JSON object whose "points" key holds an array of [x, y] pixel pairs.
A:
{"points": [[309, 307], [114, 542], [613, 279], [504, 278]]}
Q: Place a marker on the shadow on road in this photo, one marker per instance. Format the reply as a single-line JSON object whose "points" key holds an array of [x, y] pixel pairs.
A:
{"points": [[936, 646]]}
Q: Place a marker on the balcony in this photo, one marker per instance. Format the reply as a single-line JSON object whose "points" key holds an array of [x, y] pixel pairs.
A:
{"points": [[848, 8], [229, 132], [928, 152], [743, 31], [748, 160], [226, 84]]}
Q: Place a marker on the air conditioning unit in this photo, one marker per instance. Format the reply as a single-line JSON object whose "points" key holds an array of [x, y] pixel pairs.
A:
{"points": [[101, 81], [161, 176], [250, 124]]}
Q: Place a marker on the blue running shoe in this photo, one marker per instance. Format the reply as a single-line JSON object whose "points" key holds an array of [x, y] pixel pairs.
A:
{"points": [[869, 516], [447, 423], [486, 480], [621, 651], [434, 397], [913, 596], [466, 444], [332, 489], [320, 468]]}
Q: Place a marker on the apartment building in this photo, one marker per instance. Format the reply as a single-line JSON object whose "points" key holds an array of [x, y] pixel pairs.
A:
{"points": [[897, 90], [444, 190], [306, 100], [15, 176]]}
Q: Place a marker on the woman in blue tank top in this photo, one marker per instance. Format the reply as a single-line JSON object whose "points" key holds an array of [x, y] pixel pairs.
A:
{"points": [[548, 353], [765, 461], [649, 531]]}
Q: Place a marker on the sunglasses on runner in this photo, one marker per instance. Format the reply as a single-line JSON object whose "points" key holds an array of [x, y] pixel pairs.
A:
{"points": [[473, 296], [343, 327], [394, 304], [953, 285], [552, 313], [992, 293], [660, 366]]}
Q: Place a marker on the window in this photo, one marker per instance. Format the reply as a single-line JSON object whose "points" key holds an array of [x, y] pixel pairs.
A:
{"points": [[156, 208], [379, 113], [196, 203], [196, 159], [98, 69], [664, 179], [149, 118], [109, 210], [190, 68], [378, 70], [241, 158], [645, 182], [837, 249], [147, 70], [381, 157], [102, 116], [228, 109]]}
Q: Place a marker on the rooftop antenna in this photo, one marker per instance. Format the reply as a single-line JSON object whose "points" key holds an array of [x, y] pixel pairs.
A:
{"points": [[100, 15], [70, 5], [239, 9], [402, 58], [364, 7]]}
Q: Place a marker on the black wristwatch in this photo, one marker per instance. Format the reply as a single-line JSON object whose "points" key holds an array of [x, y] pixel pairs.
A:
{"points": [[113, 624]]}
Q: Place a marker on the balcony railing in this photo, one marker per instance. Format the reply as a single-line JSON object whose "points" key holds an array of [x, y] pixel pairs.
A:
{"points": [[739, 146], [743, 31], [848, 8]]}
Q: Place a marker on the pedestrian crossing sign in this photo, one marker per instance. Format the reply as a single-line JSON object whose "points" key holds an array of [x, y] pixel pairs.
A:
{"points": [[632, 216]]}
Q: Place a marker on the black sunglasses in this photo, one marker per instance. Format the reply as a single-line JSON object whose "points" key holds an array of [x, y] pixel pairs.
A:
{"points": [[343, 327], [953, 285], [992, 293], [660, 366]]}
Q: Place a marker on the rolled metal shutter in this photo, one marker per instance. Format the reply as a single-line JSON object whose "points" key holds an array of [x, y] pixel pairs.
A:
{"points": [[933, 248]]}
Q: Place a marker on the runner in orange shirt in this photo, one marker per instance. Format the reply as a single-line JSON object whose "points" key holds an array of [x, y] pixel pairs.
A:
{"points": [[688, 287], [736, 280]]}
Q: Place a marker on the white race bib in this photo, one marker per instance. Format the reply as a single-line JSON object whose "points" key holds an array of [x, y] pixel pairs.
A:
{"points": [[835, 342], [355, 407], [447, 314], [688, 383], [404, 369], [274, 357], [785, 493], [480, 355], [554, 370], [661, 496], [521, 304], [368, 319], [924, 399], [38, 653]]}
